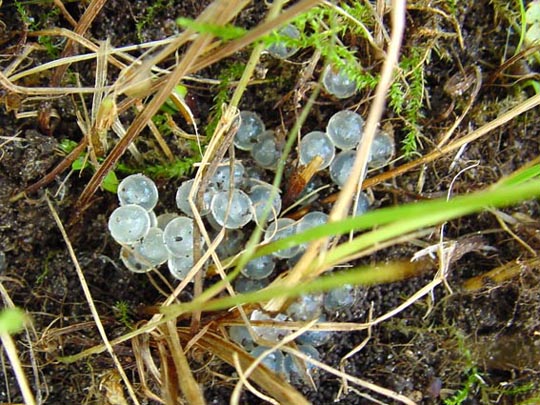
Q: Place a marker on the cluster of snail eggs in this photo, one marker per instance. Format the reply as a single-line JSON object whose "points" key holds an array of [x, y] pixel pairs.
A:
{"points": [[234, 198], [336, 81], [306, 308], [344, 133], [148, 240]]}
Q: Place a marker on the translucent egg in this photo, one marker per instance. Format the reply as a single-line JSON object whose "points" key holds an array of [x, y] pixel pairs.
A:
{"points": [[293, 261], [182, 198], [250, 127], [266, 152], [164, 219], [213, 223], [269, 333], [382, 150], [129, 223], [363, 204], [221, 180], [315, 338], [231, 209], [244, 285], [311, 220], [180, 266], [132, 262], [254, 173], [306, 308], [152, 248], [338, 83], [260, 197], [232, 243], [281, 50], [178, 236], [345, 129], [340, 298], [274, 360], [341, 167], [138, 189], [259, 268], [240, 335], [315, 144], [153, 219], [292, 365], [280, 229]]}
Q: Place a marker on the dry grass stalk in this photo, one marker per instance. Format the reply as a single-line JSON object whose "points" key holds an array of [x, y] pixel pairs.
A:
{"points": [[187, 383], [90, 302], [11, 350]]}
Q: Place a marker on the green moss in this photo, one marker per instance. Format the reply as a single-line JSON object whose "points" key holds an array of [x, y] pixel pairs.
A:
{"points": [[122, 312], [150, 16], [176, 169], [223, 93]]}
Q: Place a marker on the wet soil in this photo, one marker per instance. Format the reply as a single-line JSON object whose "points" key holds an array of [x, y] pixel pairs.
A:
{"points": [[429, 352]]}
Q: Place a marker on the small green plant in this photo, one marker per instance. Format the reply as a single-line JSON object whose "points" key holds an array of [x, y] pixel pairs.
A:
{"points": [[46, 268], [320, 29], [473, 379], [36, 23], [122, 310], [110, 182], [176, 169], [407, 96], [227, 75], [23, 13], [47, 42], [150, 16]]}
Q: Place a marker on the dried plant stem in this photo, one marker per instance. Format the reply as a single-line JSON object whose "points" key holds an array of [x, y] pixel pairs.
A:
{"points": [[189, 386], [82, 26], [11, 351]]}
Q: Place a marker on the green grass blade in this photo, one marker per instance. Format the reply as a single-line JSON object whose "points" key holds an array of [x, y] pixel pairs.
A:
{"points": [[432, 212], [364, 275], [412, 216], [521, 176]]}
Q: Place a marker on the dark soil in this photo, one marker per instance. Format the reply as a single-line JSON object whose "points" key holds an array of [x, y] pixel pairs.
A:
{"points": [[427, 352]]}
